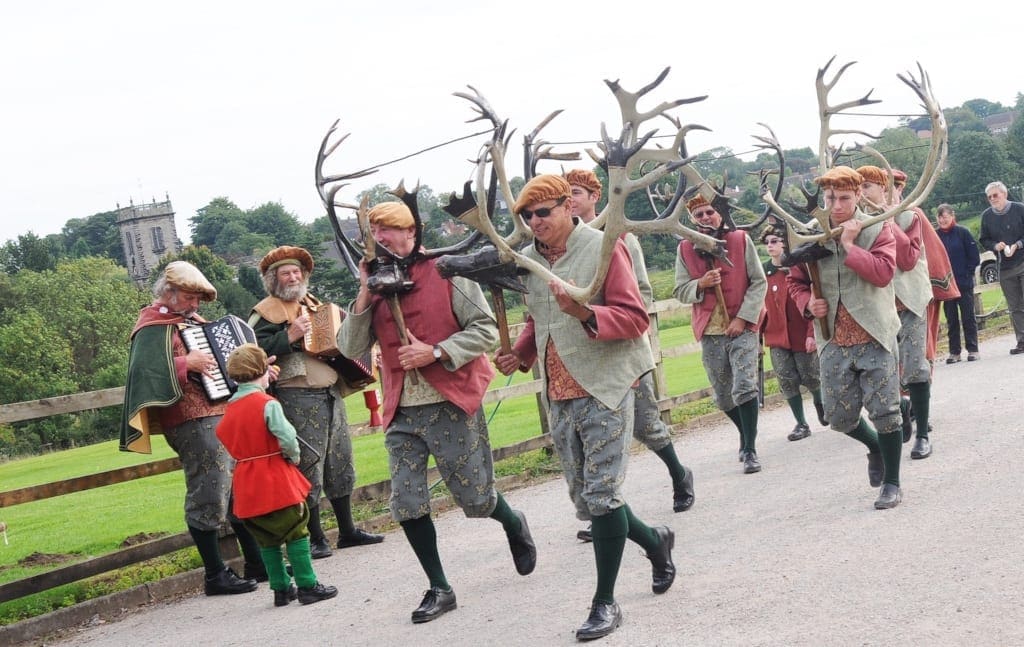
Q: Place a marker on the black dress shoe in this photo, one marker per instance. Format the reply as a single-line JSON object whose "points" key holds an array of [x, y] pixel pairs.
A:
{"points": [[604, 618], [682, 494], [750, 463], [663, 571], [319, 548], [256, 572], [889, 497], [316, 593], [524, 551], [799, 432], [585, 535], [906, 419], [1017, 350], [282, 598], [359, 538], [227, 583], [435, 604], [819, 408], [922, 448], [876, 469]]}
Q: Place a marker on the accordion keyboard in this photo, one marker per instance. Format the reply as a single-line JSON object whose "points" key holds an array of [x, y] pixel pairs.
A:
{"points": [[218, 338]]}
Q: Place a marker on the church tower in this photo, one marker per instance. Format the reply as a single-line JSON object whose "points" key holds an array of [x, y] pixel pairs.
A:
{"points": [[147, 234]]}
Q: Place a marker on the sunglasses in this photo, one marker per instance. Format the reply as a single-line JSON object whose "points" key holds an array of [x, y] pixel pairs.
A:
{"points": [[703, 214], [543, 212]]}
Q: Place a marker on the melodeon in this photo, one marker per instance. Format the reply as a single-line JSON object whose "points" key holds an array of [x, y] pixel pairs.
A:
{"points": [[218, 338], [321, 341]]}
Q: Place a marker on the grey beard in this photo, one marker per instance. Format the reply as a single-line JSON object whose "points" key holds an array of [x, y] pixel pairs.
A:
{"points": [[295, 293]]}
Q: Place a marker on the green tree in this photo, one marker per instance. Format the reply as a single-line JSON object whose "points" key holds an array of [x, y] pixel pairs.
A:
{"points": [[208, 222], [975, 159], [98, 232], [30, 252], [983, 108]]}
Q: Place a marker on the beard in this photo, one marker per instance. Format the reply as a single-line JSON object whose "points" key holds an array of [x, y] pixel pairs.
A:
{"points": [[175, 307], [292, 293]]}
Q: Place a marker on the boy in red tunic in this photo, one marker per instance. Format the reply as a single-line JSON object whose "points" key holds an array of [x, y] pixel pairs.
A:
{"points": [[269, 490]]}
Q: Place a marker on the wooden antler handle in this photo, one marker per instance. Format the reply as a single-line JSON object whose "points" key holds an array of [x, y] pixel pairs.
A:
{"points": [[812, 269], [502, 319], [396, 314]]}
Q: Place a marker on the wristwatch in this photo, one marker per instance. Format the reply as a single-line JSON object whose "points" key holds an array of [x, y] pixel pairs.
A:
{"points": [[437, 353]]}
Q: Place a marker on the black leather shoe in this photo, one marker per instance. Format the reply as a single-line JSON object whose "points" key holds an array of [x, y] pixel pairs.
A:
{"points": [[750, 463], [282, 598], [316, 593], [319, 548], [359, 538], [683, 495], [604, 618], [663, 571], [819, 408], [524, 551], [922, 448], [799, 432], [227, 583], [256, 572], [435, 604], [889, 497], [876, 469], [907, 419], [1017, 350], [585, 535]]}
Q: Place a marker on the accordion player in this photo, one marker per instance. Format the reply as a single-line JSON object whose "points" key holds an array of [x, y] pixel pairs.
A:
{"points": [[218, 338]]}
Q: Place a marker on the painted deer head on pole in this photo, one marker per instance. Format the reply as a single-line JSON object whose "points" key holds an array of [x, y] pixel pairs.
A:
{"points": [[623, 158]]}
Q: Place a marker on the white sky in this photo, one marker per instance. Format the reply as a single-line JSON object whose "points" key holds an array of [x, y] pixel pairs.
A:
{"points": [[107, 101]]}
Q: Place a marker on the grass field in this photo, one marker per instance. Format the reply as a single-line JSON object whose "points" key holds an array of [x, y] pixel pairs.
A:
{"points": [[98, 521]]}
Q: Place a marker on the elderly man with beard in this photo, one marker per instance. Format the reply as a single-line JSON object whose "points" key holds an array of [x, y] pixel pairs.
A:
{"points": [[163, 395], [310, 394], [728, 306]]}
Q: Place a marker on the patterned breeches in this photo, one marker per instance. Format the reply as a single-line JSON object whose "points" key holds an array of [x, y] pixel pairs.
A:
{"points": [[648, 427], [318, 416], [794, 369], [861, 376], [913, 343], [592, 442], [460, 447], [731, 365], [207, 467]]}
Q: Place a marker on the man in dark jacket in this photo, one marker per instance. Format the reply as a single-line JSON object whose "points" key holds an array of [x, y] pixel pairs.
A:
{"points": [[1002, 232]]}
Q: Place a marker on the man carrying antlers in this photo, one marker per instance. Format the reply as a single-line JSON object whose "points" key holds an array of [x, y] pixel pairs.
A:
{"points": [[858, 361], [648, 427], [728, 305], [449, 329], [591, 413]]}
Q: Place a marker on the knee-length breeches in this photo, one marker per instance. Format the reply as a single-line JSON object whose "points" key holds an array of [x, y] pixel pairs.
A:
{"points": [[793, 369], [731, 365], [461, 449], [592, 442], [913, 343], [860, 376], [207, 467], [318, 416], [648, 427]]}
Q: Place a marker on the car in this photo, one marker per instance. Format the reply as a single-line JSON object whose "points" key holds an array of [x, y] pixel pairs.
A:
{"points": [[988, 271]]}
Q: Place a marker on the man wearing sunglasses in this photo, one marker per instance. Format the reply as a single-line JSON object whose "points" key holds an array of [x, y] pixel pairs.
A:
{"points": [[1002, 232], [648, 427], [728, 304], [593, 354]]}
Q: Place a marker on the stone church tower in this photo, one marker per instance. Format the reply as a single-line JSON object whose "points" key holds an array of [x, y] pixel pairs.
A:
{"points": [[147, 234]]}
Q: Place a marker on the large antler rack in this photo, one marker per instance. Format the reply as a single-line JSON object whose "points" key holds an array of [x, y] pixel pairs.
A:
{"points": [[535, 150], [621, 157], [937, 152]]}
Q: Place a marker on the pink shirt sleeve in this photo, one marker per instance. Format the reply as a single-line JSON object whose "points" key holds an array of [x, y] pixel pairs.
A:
{"points": [[799, 283], [878, 264], [623, 314], [526, 345]]}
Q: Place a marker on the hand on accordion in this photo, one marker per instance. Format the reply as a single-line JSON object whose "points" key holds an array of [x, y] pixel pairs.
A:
{"points": [[199, 362]]}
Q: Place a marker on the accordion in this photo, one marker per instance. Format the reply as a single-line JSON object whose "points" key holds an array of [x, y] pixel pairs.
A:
{"points": [[322, 342], [218, 338]]}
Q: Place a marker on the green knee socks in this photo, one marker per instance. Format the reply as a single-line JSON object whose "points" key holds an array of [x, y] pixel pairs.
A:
{"points": [[609, 532], [866, 434], [796, 405], [920, 399], [423, 538]]}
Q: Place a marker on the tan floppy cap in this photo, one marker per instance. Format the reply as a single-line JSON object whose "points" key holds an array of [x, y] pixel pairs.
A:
{"points": [[186, 276]]}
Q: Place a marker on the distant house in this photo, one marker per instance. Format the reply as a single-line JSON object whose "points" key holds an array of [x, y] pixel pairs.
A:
{"points": [[999, 124]]}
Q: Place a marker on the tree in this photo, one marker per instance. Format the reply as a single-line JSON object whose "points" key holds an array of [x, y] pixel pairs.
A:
{"points": [[983, 108], [98, 232], [277, 225], [208, 222], [975, 159], [30, 252]]}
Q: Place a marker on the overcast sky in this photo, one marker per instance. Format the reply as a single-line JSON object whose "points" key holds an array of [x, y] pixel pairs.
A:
{"points": [[108, 101]]}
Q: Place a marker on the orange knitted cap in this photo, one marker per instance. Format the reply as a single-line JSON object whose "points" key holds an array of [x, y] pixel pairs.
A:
{"points": [[899, 178], [696, 202], [584, 178], [392, 214], [840, 178], [874, 174], [541, 188], [287, 255]]}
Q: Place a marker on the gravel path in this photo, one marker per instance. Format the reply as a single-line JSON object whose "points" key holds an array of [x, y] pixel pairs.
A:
{"points": [[795, 555]]}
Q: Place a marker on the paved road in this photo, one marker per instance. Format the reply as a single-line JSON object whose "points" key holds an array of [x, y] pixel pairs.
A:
{"points": [[795, 555]]}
